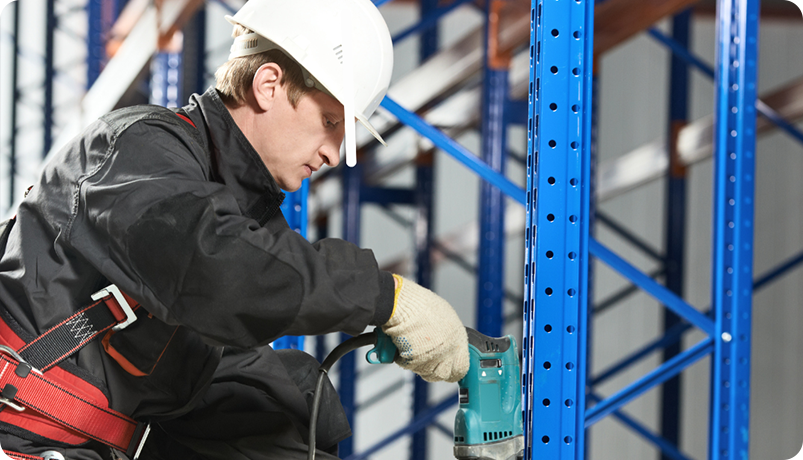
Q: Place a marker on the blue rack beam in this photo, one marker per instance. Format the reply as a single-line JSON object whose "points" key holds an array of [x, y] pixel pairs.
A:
{"points": [[670, 337], [454, 149], [623, 293], [656, 377], [421, 422], [629, 236], [556, 236], [668, 448], [428, 20], [781, 269], [661, 293], [734, 172], [763, 109], [674, 335]]}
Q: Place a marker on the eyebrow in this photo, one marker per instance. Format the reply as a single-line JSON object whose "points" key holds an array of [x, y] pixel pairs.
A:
{"points": [[333, 115]]}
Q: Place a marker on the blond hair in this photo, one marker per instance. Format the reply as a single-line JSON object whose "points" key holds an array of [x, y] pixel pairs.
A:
{"points": [[234, 78]]}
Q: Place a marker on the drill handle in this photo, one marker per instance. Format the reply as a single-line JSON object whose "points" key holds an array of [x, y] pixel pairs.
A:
{"points": [[384, 351]]}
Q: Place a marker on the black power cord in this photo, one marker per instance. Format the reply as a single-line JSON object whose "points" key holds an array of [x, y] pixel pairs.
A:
{"points": [[339, 351]]}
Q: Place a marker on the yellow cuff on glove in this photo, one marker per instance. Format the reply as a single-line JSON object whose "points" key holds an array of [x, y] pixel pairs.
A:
{"points": [[431, 340]]}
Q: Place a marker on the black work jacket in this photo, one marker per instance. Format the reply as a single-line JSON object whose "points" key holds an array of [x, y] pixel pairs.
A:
{"points": [[185, 220]]}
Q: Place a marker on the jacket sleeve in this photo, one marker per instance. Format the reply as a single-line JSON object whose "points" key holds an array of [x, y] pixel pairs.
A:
{"points": [[152, 222]]}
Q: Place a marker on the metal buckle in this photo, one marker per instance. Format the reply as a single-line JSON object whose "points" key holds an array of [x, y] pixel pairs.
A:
{"points": [[142, 441], [11, 352], [114, 291]]}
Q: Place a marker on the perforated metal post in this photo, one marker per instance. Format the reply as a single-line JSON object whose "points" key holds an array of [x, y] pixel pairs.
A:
{"points": [[734, 163], [166, 79], [675, 224], [490, 272], [556, 237]]}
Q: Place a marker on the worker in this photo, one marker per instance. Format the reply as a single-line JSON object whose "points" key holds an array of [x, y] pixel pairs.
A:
{"points": [[149, 268]]}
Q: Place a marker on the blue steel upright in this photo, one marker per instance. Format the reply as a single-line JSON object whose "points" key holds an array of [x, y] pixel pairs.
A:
{"points": [[12, 148], [675, 223], [423, 229], [166, 79], [490, 272], [556, 236], [50, 73], [294, 209], [734, 174], [352, 184], [101, 15]]}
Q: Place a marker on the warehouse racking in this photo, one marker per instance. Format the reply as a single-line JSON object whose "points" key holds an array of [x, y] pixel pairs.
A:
{"points": [[563, 183]]}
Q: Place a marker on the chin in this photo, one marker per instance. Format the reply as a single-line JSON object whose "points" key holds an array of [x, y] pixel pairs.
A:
{"points": [[292, 187]]}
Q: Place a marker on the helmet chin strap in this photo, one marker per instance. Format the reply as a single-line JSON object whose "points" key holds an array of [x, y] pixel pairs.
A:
{"points": [[348, 92]]}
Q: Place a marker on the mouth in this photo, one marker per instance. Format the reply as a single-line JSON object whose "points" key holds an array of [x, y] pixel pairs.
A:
{"points": [[310, 169]]}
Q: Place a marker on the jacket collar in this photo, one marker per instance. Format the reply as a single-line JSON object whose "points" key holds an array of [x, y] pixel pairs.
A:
{"points": [[233, 159]]}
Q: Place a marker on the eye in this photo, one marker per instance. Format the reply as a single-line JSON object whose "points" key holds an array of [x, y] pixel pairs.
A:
{"points": [[329, 123]]}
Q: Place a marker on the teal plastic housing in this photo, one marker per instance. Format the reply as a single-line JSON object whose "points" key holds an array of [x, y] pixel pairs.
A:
{"points": [[384, 351], [490, 394]]}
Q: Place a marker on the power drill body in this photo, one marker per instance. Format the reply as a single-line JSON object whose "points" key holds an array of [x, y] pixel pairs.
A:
{"points": [[488, 423]]}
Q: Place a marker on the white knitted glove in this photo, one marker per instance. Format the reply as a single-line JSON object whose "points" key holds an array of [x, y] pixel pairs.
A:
{"points": [[431, 340]]}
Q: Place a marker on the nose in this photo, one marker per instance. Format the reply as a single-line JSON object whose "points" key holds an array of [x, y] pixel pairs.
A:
{"points": [[330, 154]]}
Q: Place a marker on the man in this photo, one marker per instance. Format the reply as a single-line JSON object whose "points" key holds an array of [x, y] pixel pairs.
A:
{"points": [[149, 268]]}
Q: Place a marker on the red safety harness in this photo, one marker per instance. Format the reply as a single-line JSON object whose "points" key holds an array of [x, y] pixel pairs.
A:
{"points": [[38, 396], [44, 399]]}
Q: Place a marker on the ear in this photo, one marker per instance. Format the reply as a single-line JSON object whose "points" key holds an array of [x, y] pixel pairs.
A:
{"points": [[266, 83]]}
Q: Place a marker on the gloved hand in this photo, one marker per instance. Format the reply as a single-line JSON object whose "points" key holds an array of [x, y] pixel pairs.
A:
{"points": [[431, 340]]}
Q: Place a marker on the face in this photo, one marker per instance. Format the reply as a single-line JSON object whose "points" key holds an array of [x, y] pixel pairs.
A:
{"points": [[293, 142]]}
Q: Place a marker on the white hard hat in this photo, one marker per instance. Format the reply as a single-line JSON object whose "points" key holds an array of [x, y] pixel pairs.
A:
{"points": [[344, 45]]}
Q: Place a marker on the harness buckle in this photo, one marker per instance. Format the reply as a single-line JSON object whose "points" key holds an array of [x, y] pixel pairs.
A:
{"points": [[142, 432], [7, 396], [113, 290]]}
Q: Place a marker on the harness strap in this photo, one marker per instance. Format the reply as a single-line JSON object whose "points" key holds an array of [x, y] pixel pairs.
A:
{"points": [[112, 310], [19, 456], [55, 399], [62, 406]]}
